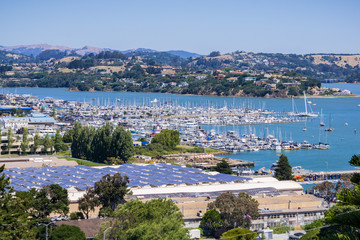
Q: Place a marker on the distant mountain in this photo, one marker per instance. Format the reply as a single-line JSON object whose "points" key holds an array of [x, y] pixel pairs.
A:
{"points": [[139, 50], [183, 54], [34, 49], [88, 49]]}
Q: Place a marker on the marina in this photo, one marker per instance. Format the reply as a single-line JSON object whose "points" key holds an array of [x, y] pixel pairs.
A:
{"points": [[344, 142]]}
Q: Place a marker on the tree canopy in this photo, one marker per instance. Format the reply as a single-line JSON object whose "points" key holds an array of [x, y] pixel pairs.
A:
{"points": [[283, 170], [342, 220], [111, 190], [223, 167], [101, 144], [236, 211], [211, 222], [67, 232], [154, 219], [168, 138], [239, 234]]}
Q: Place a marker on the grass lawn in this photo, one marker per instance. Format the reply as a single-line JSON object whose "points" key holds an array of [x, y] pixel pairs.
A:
{"points": [[83, 162]]}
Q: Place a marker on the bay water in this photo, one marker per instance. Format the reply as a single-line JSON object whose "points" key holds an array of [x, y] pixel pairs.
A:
{"points": [[343, 114]]}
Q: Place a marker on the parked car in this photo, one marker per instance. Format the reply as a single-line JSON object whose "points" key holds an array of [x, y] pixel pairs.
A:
{"points": [[297, 235]]}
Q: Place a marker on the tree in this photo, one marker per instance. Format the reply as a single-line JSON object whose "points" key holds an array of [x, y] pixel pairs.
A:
{"points": [[236, 210], [58, 142], [68, 136], [121, 145], [283, 170], [154, 219], [100, 145], [25, 141], [75, 145], [111, 190], [47, 143], [211, 222], [15, 222], [239, 234], [168, 138], [88, 202], [10, 139], [51, 198], [214, 54], [326, 190], [343, 218], [223, 167], [355, 160], [36, 142], [67, 232]]}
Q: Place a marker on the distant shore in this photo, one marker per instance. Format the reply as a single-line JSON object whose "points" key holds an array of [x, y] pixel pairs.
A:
{"points": [[289, 97]]}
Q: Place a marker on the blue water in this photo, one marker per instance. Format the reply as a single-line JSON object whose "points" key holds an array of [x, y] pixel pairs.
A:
{"points": [[344, 142]]}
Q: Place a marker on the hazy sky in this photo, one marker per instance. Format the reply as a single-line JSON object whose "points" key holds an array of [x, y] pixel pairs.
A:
{"points": [[286, 26]]}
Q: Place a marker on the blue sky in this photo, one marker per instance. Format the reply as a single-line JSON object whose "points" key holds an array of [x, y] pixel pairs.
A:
{"points": [[286, 26]]}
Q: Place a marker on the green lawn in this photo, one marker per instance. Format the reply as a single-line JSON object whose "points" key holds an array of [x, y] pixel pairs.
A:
{"points": [[83, 162]]}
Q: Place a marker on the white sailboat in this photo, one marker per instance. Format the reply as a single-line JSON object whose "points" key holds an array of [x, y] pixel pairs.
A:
{"points": [[329, 129], [306, 113], [322, 119]]}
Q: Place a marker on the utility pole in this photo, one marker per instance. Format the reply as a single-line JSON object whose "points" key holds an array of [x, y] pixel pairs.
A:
{"points": [[106, 231], [47, 225]]}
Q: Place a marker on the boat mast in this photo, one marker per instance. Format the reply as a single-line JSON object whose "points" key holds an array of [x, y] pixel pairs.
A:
{"points": [[305, 102]]}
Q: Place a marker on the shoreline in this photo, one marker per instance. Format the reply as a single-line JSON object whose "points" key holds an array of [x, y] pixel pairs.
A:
{"points": [[232, 96]]}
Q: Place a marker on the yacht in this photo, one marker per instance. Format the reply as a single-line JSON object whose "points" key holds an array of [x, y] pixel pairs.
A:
{"points": [[322, 146], [306, 145]]}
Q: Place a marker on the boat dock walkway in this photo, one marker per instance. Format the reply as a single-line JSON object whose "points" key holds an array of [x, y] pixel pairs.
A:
{"points": [[328, 173], [319, 177]]}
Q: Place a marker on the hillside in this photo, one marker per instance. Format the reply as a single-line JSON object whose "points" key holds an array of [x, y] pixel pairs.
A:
{"points": [[6, 57], [340, 60], [183, 54]]}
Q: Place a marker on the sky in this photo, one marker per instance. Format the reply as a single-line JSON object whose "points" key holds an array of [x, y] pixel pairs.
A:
{"points": [[201, 26]]}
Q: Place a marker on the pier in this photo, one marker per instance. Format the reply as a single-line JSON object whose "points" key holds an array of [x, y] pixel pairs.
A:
{"points": [[325, 176]]}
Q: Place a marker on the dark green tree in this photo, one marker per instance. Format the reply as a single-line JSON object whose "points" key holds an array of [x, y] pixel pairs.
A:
{"points": [[111, 190], [121, 145], [211, 222], [25, 141], [223, 167], [239, 234], [154, 219], [168, 138], [47, 143], [283, 170], [50, 199], [355, 160], [37, 141], [67, 232], [10, 139], [85, 139], [88, 202], [15, 221], [75, 145], [214, 54], [236, 210], [100, 146], [68, 136], [58, 142]]}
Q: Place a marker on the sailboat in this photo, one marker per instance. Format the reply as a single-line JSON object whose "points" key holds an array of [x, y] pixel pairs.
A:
{"points": [[306, 113], [329, 129], [322, 119], [293, 110]]}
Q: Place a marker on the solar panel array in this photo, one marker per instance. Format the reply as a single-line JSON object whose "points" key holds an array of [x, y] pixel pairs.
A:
{"points": [[82, 177]]}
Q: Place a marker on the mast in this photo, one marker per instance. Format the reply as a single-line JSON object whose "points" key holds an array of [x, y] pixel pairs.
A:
{"points": [[305, 102]]}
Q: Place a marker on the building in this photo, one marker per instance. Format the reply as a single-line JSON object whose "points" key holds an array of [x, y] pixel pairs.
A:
{"points": [[14, 122]]}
